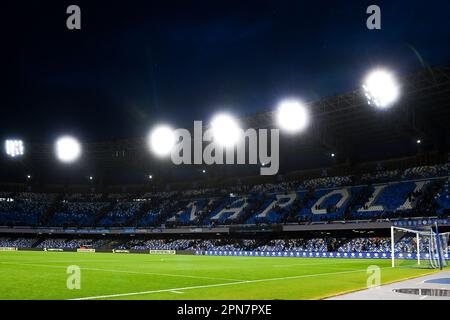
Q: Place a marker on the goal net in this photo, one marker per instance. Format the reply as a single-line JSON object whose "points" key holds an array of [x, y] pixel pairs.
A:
{"points": [[421, 248]]}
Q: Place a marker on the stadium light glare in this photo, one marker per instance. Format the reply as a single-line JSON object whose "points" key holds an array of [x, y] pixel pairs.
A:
{"points": [[225, 129], [162, 140], [419, 141], [28, 177], [14, 148], [68, 149], [150, 177], [204, 171], [91, 178], [381, 89], [333, 155], [292, 116]]}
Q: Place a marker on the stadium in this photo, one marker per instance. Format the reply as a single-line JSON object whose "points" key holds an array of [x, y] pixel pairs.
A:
{"points": [[358, 207]]}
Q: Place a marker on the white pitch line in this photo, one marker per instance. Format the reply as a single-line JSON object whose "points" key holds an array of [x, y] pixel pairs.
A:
{"points": [[217, 285], [179, 292], [122, 271], [318, 263]]}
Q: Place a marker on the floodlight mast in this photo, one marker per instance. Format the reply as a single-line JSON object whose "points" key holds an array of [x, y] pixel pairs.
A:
{"points": [[14, 148], [161, 140], [225, 129], [292, 116], [381, 88], [68, 149]]}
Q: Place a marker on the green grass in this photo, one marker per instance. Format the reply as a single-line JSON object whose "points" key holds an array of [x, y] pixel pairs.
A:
{"points": [[42, 275]]}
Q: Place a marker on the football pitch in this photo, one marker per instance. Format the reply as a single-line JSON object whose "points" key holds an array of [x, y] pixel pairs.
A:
{"points": [[44, 275]]}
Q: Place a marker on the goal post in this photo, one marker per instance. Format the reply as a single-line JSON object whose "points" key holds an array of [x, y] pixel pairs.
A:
{"points": [[393, 246], [397, 235], [442, 246], [418, 248], [423, 248]]}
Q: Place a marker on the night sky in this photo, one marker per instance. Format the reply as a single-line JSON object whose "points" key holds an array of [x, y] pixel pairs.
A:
{"points": [[135, 64]]}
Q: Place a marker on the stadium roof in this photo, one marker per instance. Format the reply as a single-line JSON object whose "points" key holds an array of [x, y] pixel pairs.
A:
{"points": [[345, 121], [344, 124]]}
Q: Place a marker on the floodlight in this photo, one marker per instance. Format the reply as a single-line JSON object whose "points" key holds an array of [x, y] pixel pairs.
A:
{"points": [[162, 140], [225, 129], [14, 148], [381, 89], [419, 141], [150, 177], [68, 149], [91, 178], [204, 171], [292, 116], [333, 155], [28, 177]]}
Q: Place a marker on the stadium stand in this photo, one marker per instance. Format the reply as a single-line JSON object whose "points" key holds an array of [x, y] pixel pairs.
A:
{"points": [[18, 242], [401, 197], [327, 244], [415, 192], [24, 208]]}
